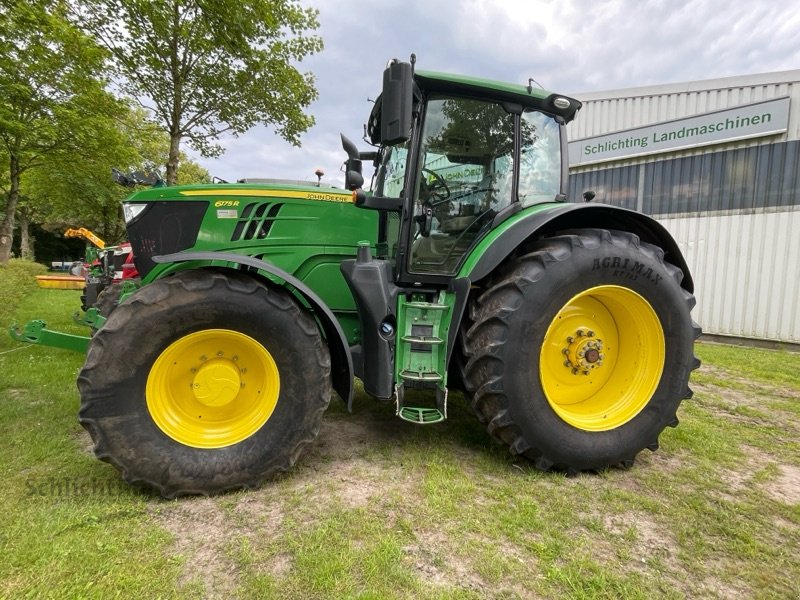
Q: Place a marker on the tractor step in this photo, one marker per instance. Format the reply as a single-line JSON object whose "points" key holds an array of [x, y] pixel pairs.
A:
{"points": [[422, 339], [421, 345], [420, 416], [420, 376]]}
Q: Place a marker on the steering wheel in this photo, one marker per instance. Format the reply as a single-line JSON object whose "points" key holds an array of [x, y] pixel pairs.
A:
{"points": [[438, 186]]}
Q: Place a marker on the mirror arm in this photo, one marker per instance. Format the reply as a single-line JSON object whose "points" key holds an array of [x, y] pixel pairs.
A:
{"points": [[384, 203]]}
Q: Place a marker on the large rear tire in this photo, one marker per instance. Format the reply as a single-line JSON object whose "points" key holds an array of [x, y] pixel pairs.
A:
{"points": [[204, 382], [580, 353]]}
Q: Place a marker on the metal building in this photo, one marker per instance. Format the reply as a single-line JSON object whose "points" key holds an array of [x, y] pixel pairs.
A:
{"points": [[717, 162]]}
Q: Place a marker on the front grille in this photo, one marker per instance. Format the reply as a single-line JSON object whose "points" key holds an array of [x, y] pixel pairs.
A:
{"points": [[164, 228], [255, 221]]}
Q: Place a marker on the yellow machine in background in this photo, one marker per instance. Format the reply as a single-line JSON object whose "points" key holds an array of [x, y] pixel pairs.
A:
{"points": [[84, 233]]}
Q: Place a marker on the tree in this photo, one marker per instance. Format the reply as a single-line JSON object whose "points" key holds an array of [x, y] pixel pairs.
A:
{"points": [[79, 192], [208, 67], [50, 97]]}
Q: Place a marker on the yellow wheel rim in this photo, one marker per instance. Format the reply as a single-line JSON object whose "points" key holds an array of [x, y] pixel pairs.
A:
{"points": [[212, 388], [602, 358]]}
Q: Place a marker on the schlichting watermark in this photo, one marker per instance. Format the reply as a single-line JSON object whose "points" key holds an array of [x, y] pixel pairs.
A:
{"points": [[74, 487]]}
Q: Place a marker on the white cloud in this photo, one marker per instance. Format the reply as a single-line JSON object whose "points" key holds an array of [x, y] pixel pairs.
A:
{"points": [[566, 45]]}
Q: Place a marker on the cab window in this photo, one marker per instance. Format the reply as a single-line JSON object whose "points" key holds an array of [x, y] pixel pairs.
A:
{"points": [[465, 177]]}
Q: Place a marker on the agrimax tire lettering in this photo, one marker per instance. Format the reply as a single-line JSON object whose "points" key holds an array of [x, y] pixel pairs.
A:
{"points": [[626, 268]]}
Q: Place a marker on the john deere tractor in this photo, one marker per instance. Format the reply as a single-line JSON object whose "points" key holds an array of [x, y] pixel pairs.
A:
{"points": [[566, 325]]}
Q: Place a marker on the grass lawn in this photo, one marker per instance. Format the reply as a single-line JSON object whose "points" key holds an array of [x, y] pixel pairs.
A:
{"points": [[380, 508]]}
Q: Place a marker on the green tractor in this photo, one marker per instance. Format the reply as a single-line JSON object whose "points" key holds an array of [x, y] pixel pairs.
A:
{"points": [[566, 325]]}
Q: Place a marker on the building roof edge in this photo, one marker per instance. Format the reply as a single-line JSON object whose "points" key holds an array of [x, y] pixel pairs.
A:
{"points": [[736, 81]]}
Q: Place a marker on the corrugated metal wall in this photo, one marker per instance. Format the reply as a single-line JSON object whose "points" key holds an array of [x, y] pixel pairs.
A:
{"points": [[742, 243], [746, 269], [616, 110]]}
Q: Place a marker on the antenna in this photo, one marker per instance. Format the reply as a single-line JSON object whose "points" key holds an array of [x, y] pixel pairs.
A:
{"points": [[531, 81]]}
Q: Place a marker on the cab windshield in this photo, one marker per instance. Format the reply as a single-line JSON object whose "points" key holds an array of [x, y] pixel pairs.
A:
{"points": [[466, 167]]}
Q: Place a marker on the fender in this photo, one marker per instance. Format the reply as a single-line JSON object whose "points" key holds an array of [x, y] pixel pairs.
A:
{"points": [[341, 361], [502, 241]]}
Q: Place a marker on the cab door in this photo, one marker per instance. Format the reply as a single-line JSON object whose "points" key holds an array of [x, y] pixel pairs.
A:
{"points": [[464, 175]]}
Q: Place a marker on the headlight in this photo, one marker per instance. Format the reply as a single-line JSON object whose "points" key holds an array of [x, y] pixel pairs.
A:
{"points": [[131, 211], [562, 103]]}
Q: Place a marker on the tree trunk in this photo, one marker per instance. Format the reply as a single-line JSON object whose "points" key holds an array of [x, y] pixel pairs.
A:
{"points": [[172, 161], [7, 224], [25, 239]]}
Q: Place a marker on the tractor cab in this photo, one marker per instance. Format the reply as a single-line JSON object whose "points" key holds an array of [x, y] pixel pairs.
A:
{"points": [[457, 157]]}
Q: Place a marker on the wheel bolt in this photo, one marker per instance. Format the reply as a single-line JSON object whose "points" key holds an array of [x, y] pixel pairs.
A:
{"points": [[567, 363], [570, 339], [204, 358], [590, 333], [580, 333], [219, 353]]}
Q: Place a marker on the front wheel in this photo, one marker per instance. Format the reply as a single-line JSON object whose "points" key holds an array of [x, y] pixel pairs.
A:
{"points": [[204, 382], [580, 354]]}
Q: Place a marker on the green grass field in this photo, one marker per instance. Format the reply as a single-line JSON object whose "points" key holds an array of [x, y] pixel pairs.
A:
{"points": [[380, 508]]}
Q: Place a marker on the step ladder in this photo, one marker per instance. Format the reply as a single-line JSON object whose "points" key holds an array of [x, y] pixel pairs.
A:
{"points": [[420, 357]]}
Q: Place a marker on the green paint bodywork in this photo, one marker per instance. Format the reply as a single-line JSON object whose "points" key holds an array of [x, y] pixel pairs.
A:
{"points": [[486, 85], [483, 244], [308, 239], [315, 230]]}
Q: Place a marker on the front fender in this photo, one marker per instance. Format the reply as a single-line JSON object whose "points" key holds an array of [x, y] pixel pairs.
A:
{"points": [[550, 218], [341, 361]]}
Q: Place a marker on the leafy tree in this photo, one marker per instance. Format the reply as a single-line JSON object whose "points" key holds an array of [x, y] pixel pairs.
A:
{"points": [[68, 192], [191, 172], [474, 130], [207, 67], [50, 97]]}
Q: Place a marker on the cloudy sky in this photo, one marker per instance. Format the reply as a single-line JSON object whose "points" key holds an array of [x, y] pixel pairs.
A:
{"points": [[568, 46]]}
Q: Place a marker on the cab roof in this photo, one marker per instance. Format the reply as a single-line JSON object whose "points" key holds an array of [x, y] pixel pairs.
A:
{"points": [[527, 96]]}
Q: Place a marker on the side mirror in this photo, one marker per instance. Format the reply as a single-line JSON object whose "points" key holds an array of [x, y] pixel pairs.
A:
{"points": [[588, 196], [353, 179], [396, 103]]}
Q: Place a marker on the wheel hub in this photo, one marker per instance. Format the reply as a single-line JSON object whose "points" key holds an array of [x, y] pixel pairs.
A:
{"points": [[602, 358], [200, 394], [583, 351], [217, 382]]}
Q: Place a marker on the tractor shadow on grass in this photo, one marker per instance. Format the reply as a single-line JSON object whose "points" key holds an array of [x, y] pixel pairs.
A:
{"points": [[373, 432]]}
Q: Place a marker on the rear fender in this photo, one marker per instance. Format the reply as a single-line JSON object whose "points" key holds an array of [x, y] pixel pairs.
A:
{"points": [[341, 361], [496, 247]]}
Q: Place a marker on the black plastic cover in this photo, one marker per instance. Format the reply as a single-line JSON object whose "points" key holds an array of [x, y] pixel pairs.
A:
{"points": [[165, 227], [397, 101], [376, 296]]}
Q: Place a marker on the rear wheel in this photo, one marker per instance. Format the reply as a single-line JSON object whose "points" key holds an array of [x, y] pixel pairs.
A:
{"points": [[204, 382], [580, 354]]}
